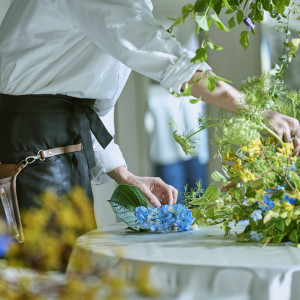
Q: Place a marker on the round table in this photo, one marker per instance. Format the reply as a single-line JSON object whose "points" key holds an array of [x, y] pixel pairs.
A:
{"points": [[200, 264]]}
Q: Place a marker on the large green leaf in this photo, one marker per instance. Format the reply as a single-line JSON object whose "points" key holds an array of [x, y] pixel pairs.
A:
{"points": [[202, 21], [212, 193], [124, 200], [219, 23]]}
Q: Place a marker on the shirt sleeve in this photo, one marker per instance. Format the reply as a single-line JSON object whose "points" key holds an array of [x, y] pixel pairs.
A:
{"points": [[126, 30], [109, 158]]}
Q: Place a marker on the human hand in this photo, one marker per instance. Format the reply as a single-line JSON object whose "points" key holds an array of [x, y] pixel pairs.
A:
{"points": [[287, 128], [155, 190]]}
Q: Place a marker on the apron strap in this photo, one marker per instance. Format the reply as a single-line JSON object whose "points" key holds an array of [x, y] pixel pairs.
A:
{"points": [[87, 120]]}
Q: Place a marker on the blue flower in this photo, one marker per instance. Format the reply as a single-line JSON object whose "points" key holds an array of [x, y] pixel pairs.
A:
{"points": [[256, 215], [249, 23], [164, 218], [288, 199], [5, 241], [268, 203], [256, 236]]}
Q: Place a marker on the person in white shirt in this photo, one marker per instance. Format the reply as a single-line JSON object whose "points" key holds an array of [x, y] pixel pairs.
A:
{"points": [[61, 62]]}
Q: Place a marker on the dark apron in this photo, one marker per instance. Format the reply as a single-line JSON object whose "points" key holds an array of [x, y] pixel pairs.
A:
{"points": [[30, 123]]}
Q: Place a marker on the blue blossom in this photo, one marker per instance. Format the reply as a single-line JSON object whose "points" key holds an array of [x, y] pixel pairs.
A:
{"points": [[267, 204], [256, 236], [164, 218], [256, 215], [249, 23], [288, 199], [5, 241]]}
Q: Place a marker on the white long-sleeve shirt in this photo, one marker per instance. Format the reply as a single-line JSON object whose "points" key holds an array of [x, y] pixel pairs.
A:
{"points": [[86, 49]]}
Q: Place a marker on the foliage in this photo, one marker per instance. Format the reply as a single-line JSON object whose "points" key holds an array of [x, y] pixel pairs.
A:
{"points": [[246, 13], [260, 181], [124, 200]]}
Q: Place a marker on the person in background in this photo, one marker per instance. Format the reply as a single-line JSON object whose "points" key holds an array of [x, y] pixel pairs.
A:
{"points": [[170, 163], [63, 66]]}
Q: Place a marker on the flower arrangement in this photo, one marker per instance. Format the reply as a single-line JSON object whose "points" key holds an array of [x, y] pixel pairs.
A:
{"points": [[131, 207], [260, 179]]}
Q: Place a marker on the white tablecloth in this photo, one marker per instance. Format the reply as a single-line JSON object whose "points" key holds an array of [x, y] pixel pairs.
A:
{"points": [[202, 264]]}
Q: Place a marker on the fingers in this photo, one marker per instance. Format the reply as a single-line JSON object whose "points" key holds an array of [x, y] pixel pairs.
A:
{"points": [[155, 190], [174, 193], [151, 198], [287, 128]]}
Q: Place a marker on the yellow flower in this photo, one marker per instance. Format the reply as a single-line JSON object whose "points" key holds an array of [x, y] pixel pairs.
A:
{"points": [[287, 206], [286, 150], [238, 165], [245, 148], [229, 155], [246, 175]]}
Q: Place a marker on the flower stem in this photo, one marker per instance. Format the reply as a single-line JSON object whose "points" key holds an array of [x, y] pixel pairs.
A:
{"points": [[271, 132]]}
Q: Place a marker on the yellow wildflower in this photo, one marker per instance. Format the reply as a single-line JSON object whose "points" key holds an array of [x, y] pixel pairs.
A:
{"points": [[246, 175], [287, 206], [238, 165], [229, 156], [286, 150]]}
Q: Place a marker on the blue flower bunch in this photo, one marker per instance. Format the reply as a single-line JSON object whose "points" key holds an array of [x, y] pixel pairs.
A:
{"points": [[164, 218]]}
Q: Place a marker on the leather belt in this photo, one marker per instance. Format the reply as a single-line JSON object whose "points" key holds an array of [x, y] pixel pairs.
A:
{"points": [[60, 150]]}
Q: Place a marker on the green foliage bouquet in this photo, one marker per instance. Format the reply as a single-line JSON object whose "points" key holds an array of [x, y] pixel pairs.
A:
{"points": [[260, 179]]}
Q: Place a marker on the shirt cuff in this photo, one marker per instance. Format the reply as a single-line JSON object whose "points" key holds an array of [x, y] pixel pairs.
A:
{"points": [[181, 71], [106, 162]]}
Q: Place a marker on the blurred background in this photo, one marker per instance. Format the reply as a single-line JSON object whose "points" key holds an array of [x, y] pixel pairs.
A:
{"points": [[144, 110]]}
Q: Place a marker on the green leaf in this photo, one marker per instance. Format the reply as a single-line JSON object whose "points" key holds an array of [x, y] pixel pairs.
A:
{"points": [[293, 236], [280, 5], [267, 5], [212, 193], [187, 90], [218, 6], [200, 55], [202, 21], [210, 83], [217, 176], [279, 224], [200, 5], [124, 200], [240, 16], [218, 78], [214, 46], [294, 44], [294, 176], [187, 9], [244, 39], [194, 101], [231, 22], [197, 201], [219, 23], [226, 3]]}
